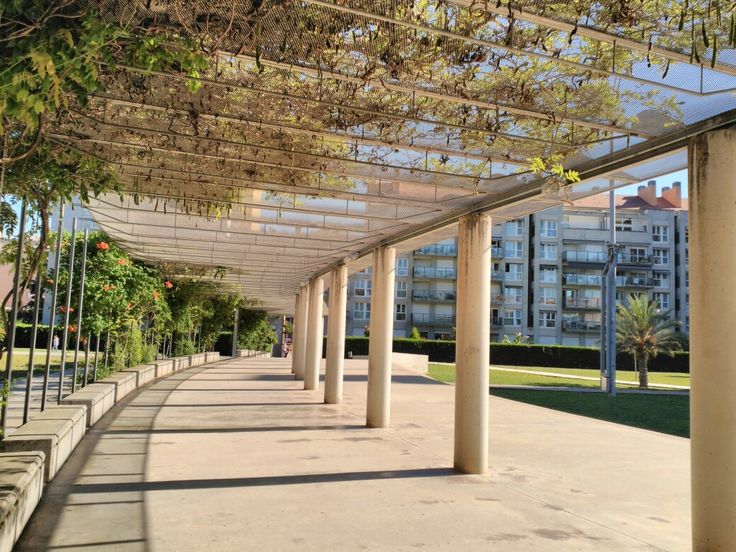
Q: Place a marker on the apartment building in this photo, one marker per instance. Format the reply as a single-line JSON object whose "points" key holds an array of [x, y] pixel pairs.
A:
{"points": [[546, 271]]}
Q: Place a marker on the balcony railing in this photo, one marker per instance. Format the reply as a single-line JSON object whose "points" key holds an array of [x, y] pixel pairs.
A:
{"points": [[427, 295], [593, 257], [433, 319], [581, 279], [444, 250], [634, 281], [496, 321], [497, 252], [624, 259], [512, 299], [581, 325], [593, 303], [431, 272]]}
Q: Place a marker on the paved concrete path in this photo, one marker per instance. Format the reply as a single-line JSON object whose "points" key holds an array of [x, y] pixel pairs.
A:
{"points": [[234, 456]]}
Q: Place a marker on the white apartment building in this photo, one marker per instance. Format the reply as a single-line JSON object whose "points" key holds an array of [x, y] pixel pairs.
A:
{"points": [[546, 273]]}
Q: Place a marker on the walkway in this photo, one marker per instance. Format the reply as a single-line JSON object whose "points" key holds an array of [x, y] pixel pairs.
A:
{"points": [[233, 456]]}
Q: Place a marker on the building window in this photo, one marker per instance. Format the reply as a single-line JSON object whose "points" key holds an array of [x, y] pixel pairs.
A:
{"points": [[661, 279], [401, 290], [512, 317], [513, 250], [662, 299], [548, 319], [661, 256], [400, 312], [402, 267], [548, 275], [660, 233], [362, 311], [514, 271], [512, 295], [548, 251], [548, 228], [638, 254], [548, 296], [362, 288], [624, 225], [515, 228]]}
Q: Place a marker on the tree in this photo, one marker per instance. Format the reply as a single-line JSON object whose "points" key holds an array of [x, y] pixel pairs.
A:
{"points": [[644, 331], [415, 333]]}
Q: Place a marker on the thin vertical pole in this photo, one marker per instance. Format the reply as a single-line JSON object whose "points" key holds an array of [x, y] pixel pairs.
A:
{"points": [[163, 347], [80, 306], [32, 352], [235, 332], [107, 347], [10, 338], [86, 360], [611, 322], [65, 330], [97, 357], [52, 319]]}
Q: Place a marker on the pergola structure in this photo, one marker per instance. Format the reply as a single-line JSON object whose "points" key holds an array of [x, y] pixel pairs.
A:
{"points": [[328, 134]]}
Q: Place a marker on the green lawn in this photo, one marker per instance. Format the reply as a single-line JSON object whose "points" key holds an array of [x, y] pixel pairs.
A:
{"points": [[20, 361], [663, 413], [446, 373]]}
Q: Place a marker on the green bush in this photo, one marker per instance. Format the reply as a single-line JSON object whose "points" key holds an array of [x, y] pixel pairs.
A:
{"points": [[523, 354], [149, 353]]}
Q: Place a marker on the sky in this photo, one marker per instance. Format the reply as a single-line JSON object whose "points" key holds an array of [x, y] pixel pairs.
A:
{"points": [[662, 182]]}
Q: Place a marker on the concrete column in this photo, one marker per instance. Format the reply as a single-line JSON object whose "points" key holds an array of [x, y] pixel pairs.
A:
{"points": [[294, 329], [381, 337], [300, 334], [314, 335], [473, 330], [712, 242], [336, 335]]}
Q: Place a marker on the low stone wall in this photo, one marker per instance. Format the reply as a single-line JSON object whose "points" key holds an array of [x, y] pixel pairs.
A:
{"points": [[36, 451], [21, 486], [249, 353]]}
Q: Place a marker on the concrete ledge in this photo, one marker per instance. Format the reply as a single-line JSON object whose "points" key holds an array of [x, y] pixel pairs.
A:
{"points": [[97, 397], [250, 353], [211, 357], [164, 367], [123, 381], [21, 484], [407, 361], [144, 373], [56, 432]]}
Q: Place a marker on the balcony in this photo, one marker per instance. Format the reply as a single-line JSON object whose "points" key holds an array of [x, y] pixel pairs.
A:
{"points": [[435, 296], [584, 257], [432, 273], [583, 303], [582, 280], [496, 321], [634, 260], [581, 326], [497, 252], [437, 250], [634, 281], [426, 319]]}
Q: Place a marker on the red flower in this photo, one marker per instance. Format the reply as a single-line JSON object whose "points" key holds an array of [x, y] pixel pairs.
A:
{"points": [[72, 328], [155, 295], [103, 246], [168, 284], [122, 261]]}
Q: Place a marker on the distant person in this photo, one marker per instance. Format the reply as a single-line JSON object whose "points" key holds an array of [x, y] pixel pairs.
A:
{"points": [[55, 345]]}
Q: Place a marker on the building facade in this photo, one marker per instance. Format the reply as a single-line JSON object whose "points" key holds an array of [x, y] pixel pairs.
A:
{"points": [[547, 271]]}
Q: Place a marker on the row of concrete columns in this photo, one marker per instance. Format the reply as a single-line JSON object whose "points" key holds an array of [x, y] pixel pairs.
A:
{"points": [[712, 346], [473, 315]]}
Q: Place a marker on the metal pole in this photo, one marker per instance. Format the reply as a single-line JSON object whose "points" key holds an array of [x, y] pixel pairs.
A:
{"points": [[86, 360], [604, 329], [611, 323], [65, 330], [10, 338], [163, 348], [97, 357], [80, 306], [52, 320], [235, 331], [32, 352], [107, 347]]}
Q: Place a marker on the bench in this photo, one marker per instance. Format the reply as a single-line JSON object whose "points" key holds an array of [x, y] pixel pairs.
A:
{"points": [[124, 383], [56, 432], [97, 397], [21, 484]]}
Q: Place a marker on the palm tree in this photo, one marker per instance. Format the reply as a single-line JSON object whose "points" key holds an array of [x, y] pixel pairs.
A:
{"points": [[644, 331]]}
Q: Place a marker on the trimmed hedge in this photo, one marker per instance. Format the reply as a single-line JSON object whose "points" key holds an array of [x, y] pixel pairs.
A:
{"points": [[553, 356]]}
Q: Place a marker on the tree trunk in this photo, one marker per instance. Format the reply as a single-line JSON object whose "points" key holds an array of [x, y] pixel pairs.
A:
{"points": [[644, 373]]}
